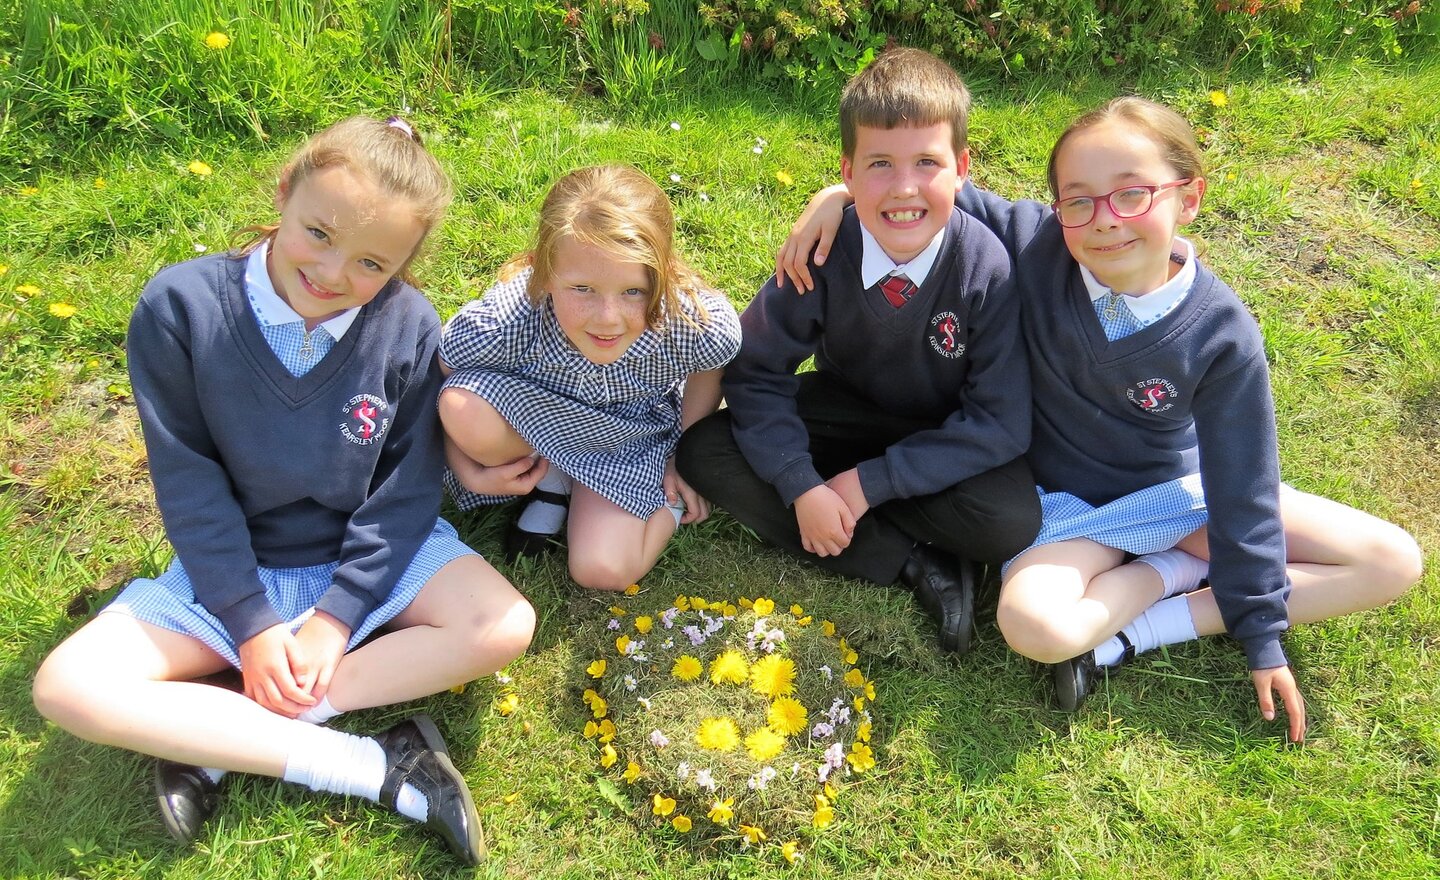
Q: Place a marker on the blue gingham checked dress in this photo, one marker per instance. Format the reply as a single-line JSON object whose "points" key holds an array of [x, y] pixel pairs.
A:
{"points": [[610, 427]]}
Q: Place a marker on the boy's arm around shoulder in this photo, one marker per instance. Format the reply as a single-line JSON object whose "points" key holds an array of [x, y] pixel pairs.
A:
{"points": [[203, 518], [1014, 223], [779, 330]]}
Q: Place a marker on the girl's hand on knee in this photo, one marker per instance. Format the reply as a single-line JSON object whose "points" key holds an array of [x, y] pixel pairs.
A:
{"points": [[815, 229], [697, 509], [1281, 681], [322, 641], [267, 663], [513, 478]]}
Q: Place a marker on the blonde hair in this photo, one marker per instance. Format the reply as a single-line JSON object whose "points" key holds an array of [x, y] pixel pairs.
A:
{"points": [[388, 153], [909, 87], [623, 213], [1164, 126]]}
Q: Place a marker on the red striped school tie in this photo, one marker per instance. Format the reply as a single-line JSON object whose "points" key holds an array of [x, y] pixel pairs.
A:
{"points": [[897, 290]]}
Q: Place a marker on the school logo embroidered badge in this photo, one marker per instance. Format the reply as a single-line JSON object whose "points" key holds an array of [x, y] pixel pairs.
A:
{"points": [[945, 335], [1153, 395], [366, 419]]}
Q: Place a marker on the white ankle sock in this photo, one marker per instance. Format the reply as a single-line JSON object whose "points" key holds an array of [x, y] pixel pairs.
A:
{"points": [[555, 480], [342, 763], [541, 517], [316, 714], [1180, 572], [1167, 622]]}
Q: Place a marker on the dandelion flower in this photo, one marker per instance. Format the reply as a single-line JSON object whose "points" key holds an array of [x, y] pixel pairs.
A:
{"points": [[661, 805], [216, 40], [764, 744], [99, 183], [699, 603], [855, 679], [507, 704], [718, 734], [752, 833], [62, 310], [721, 812], [29, 190], [791, 851], [632, 773], [199, 169], [4, 268], [787, 716], [785, 178], [597, 668], [27, 290], [729, 668], [682, 823], [682, 603], [632, 590], [764, 606], [773, 676], [608, 756], [643, 624], [1218, 98], [861, 757], [686, 668]]}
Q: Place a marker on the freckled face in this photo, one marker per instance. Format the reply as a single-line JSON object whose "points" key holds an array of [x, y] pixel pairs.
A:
{"points": [[903, 181], [599, 301], [341, 238], [1128, 255]]}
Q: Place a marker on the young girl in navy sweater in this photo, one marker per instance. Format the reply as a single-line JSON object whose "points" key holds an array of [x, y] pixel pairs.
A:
{"points": [[1154, 441], [585, 361], [287, 396]]}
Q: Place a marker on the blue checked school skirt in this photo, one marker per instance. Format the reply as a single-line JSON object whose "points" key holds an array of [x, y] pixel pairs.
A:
{"points": [[168, 601], [1153, 519]]}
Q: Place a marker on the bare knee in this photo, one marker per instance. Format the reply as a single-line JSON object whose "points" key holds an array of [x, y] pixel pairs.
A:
{"points": [[1042, 637], [508, 636], [67, 696], [478, 429], [603, 571], [1393, 564]]}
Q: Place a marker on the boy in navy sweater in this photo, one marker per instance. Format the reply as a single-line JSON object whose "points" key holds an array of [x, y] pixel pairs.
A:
{"points": [[901, 454]]}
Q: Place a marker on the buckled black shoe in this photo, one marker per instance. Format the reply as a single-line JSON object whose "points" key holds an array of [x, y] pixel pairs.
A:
{"points": [[1074, 678], [945, 588], [187, 797], [415, 754], [523, 542]]}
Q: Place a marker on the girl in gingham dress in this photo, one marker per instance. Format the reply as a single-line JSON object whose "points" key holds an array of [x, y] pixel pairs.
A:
{"points": [[1154, 439], [287, 398], [584, 363]]}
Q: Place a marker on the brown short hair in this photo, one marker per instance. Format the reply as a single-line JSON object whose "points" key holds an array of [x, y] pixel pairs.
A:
{"points": [[909, 87], [1167, 128]]}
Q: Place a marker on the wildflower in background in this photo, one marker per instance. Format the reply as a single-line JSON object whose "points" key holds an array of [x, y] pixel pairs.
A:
{"points": [[729, 668], [674, 126], [658, 739], [827, 672], [632, 590], [785, 178], [762, 779], [27, 290], [752, 834], [457, 689], [718, 734], [824, 813], [199, 169], [764, 606], [661, 805], [704, 197], [591, 729], [862, 733], [502, 678], [617, 611], [686, 668], [682, 823], [682, 603], [674, 178], [597, 668], [787, 716], [667, 617], [861, 757], [507, 704], [1416, 183], [721, 812], [773, 676], [598, 707], [613, 624], [606, 729], [4, 268], [622, 645], [512, 797], [608, 756], [99, 183], [1218, 98], [632, 773], [855, 679], [705, 779], [216, 40], [643, 623], [644, 703], [822, 730], [827, 628], [791, 851], [200, 248], [764, 744], [683, 771], [630, 682], [848, 654], [29, 191]]}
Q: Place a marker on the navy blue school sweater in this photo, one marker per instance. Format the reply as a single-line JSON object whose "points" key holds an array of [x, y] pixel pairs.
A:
{"points": [[951, 354], [1189, 393], [253, 466]]}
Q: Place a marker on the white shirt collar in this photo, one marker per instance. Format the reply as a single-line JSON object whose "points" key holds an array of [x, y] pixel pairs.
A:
{"points": [[875, 264], [271, 310], [1151, 306]]}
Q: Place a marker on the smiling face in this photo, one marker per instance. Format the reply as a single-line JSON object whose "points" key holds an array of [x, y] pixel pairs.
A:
{"points": [[341, 238], [1127, 255], [903, 181], [600, 301]]}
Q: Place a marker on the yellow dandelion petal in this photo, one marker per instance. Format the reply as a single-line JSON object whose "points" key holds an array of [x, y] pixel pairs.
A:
{"points": [[512, 797], [855, 679], [682, 603], [729, 668], [764, 607], [608, 756], [698, 603], [632, 590], [27, 290], [29, 190], [199, 169], [617, 611], [4, 268], [661, 805], [718, 734], [632, 772], [682, 823], [216, 40], [597, 668], [831, 792], [773, 676], [457, 689], [1416, 183], [507, 704], [99, 183], [1218, 98], [62, 310], [591, 729], [791, 851], [785, 178], [827, 628], [764, 744], [721, 812], [787, 717], [643, 624], [606, 730], [753, 833], [860, 757], [687, 668], [622, 645]]}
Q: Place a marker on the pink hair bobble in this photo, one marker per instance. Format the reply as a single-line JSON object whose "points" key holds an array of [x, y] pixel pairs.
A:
{"points": [[402, 125]]}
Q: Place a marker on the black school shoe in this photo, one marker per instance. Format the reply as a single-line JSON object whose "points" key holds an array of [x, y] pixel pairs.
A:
{"points": [[945, 588], [1076, 677], [522, 542], [415, 754], [187, 797]]}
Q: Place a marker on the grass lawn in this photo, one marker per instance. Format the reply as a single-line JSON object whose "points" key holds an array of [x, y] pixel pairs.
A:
{"points": [[1323, 213]]}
